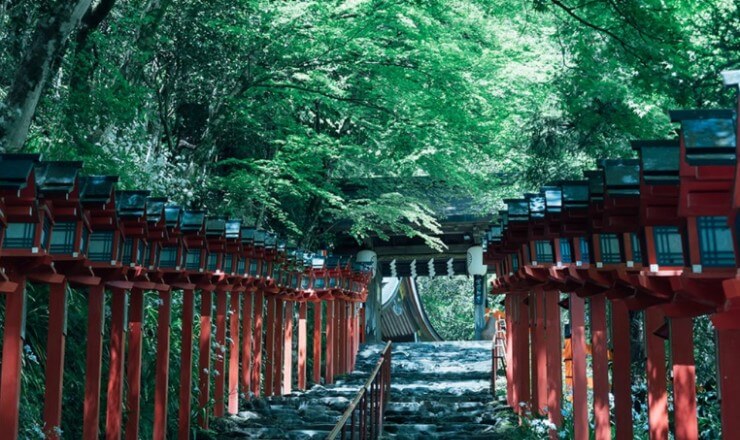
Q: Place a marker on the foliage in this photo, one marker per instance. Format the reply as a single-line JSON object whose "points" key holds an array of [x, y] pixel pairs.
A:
{"points": [[448, 302]]}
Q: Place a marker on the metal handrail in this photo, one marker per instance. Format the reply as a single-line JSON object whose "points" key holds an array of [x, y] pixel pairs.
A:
{"points": [[368, 404]]}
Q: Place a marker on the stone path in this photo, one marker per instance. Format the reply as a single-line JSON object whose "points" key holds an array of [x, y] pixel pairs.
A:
{"points": [[300, 415], [442, 390]]}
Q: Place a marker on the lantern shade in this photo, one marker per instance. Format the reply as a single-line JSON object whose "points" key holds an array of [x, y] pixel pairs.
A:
{"points": [[731, 78], [131, 204], [504, 217], [259, 238], [57, 177], [595, 184], [575, 193], [270, 241], [173, 216], [15, 170], [232, 229], [475, 264], [553, 198], [518, 210], [155, 209], [215, 227], [192, 221], [709, 136], [97, 189], [368, 259], [248, 235], [659, 161], [536, 206], [621, 177]]}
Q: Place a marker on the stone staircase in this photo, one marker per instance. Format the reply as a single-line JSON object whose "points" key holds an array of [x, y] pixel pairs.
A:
{"points": [[300, 415], [442, 390], [439, 390]]}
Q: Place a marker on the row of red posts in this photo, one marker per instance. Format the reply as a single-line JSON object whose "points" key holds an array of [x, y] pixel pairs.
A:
{"points": [[657, 234], [63, 229]]}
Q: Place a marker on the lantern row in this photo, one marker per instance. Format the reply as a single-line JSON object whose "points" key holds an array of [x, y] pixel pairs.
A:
{"points": [[50, 213], [659, 234]]}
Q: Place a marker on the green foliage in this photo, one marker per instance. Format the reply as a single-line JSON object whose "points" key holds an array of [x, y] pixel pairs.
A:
{"points": [[448, 303]]}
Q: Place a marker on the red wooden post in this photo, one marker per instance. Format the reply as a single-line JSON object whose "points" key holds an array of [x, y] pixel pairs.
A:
{"points": [[55, 359], [186, 364], [204, 357], [133, 367], [554, 359], [540, 344], [288, 349], [580, 403], [247, 307], [302, 338], [329, 364], [162, 374], [93, 361], [621, 371], [13, 333], [234, 354], [600, 364], [113, 418], [270, 346], [510, 331], [317, 342], [728, 348], [220, 361], [684, 379], [259, 305], [277, 363], [340, 332], [656, 376], [522, 341]]}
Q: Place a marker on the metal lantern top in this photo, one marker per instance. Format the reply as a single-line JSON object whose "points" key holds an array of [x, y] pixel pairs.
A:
{"points": [[621, 177], [709, 136], [553, 198], [518, 210], [193, 221], [58, 178], [536, 203], [660, 161], [575, 193], [595, 184]]}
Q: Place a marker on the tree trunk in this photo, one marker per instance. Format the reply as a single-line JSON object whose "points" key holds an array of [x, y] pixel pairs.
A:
{"points": [[46, 46]]}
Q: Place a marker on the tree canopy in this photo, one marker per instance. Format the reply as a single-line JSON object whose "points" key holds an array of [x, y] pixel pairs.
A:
{"points": [[261, 109]]}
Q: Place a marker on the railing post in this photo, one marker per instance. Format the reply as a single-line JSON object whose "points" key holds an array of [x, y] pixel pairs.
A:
{"points": [[302, 338], [186, 364], [580, 403], [656, 376], [600, 364], [277, 361], [161, 381], [114, 410], [329, 363], [133, 367], [54, 370], [204, 357], [288, 349], [219, 391], [684, 378], [259, 305], [12, 358], [269, 347], [233, 347], [246, 373], [317, 324], [93, 361]]}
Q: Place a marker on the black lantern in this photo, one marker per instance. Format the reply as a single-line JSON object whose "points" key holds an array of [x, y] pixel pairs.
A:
{"points": [[553, 199], [595, 184], [104, 247], [215, 234], [709, 136], [536, 206], [621, 177], [518, 210], [157, 230], [234, 264], [659, 161], [575, 193], [171, 252], [131, 209], [58, 185], [192, 226]]}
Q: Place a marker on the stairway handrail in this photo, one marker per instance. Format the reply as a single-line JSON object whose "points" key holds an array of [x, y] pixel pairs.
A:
{"points": [[384, 364]]}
